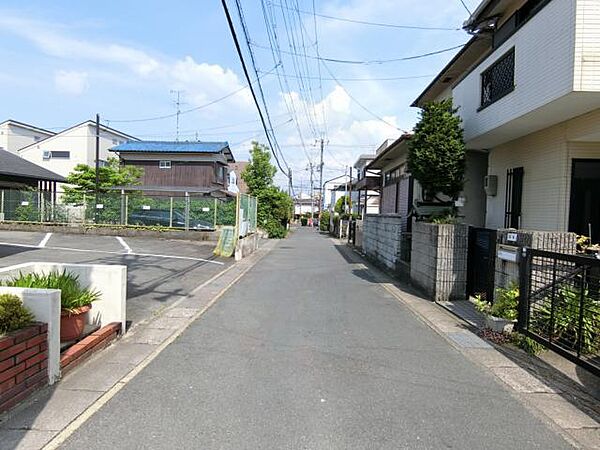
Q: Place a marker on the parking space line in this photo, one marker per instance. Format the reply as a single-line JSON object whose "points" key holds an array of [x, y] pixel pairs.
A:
{"points": [[81, 250], [45, 240], [124, 244]]}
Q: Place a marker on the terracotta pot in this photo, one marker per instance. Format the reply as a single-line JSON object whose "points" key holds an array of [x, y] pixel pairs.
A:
{"points": [[72, 323]]}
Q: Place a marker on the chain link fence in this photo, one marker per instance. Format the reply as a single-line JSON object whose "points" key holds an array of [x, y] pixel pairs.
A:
{"points": [[131, 208]]}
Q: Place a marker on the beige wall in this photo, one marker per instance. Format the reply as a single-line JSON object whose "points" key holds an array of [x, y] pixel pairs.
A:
{"points": [[14, 137], [546, 159]]}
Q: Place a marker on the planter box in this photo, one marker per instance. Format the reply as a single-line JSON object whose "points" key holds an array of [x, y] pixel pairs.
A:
{"points": [[499, 324], [23, 364]]}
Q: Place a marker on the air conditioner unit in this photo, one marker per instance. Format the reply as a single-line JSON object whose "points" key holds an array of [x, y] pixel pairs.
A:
{"points": [[490, 184], [47, 155]]}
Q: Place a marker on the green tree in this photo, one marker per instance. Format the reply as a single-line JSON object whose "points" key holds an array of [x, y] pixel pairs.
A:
{"points": [[436, 155], [341, 203], [83, 179], [274, 206]]}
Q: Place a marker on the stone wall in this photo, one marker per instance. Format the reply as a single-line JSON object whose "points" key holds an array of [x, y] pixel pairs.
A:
{"points": [[552, 241], [439, 260], [381, 239]]}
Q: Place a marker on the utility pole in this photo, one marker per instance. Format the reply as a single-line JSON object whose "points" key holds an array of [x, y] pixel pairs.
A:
{"points": [[178, 104], [312, 193], [290, 181], [321, 193], [97, 186]]}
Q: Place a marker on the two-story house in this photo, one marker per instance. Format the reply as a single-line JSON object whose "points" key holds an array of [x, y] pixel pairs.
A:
{"points": [[62, 151], [178, 167], [527, 88], [366, 186], [16, 135]]}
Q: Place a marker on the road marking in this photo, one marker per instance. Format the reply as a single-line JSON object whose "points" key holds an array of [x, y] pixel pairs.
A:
{"points": [[45, 240], [124, 244], [68, 249]]}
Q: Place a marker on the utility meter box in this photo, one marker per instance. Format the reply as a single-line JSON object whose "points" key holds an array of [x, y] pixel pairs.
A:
{"points": [[490, 184]]}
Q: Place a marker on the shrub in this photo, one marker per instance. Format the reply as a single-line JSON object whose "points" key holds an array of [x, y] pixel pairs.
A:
{"points": [[526, 343], [275, 230], [13, 314], [303, 221], [324, 221], [72, 295], [505, 305]]}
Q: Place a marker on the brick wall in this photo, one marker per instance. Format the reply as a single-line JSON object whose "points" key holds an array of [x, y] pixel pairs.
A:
{"points": [[23, 364], [381, 239], [439, 260]]}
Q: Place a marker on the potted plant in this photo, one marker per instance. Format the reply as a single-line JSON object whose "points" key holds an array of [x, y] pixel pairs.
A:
{"points": [[501, 316], [75, 301]]}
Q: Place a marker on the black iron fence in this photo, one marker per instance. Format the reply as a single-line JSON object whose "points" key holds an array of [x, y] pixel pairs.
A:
{"points": [[559, 304]]}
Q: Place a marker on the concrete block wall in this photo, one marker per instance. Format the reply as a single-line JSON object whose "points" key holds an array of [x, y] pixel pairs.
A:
{"points": [[439, 260], [552, 241], [381, 239]]}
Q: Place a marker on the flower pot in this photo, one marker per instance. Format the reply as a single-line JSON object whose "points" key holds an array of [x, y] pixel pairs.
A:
{"points": [[499, 325], [72, 323]]}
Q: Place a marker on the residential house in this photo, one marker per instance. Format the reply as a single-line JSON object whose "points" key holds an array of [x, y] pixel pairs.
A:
{"points": [[16, 135], [367, 186], [236, 182], [305, 204], [199, 167], [527, 88], [62, 151]]}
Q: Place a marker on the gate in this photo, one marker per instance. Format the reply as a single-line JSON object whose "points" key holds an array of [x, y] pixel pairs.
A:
{"points": [[559, 304], [481, 262]]}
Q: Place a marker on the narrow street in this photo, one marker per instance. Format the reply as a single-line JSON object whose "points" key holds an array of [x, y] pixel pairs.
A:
{"points": [[307, 351]]}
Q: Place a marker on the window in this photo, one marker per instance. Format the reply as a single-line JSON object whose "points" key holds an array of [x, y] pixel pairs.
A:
{"points": [[60, 154], [115, 142], [46, 155], [220, 173], [102, 163], [36, 138], [498, 80], [513, 198], [164, 164]]}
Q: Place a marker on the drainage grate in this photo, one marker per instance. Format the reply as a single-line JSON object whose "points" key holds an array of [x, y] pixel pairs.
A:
{"points": [[468, 340]]}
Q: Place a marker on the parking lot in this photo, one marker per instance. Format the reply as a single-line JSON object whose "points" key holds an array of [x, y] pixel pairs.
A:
{"points": [[159, 271]]}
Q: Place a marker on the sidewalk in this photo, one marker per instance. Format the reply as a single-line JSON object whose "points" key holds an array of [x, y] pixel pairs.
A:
{"points": [[311, 349]]}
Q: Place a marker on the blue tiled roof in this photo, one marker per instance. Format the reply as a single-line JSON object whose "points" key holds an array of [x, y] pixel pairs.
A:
{"points": [[171, 147]]}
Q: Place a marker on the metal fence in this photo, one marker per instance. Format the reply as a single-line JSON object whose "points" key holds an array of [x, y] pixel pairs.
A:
{"points": [[133, 208], [559, 304]]}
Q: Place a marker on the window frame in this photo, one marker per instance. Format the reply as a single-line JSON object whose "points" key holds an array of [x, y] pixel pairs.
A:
{"points": [[165, 164], [482, 85]]}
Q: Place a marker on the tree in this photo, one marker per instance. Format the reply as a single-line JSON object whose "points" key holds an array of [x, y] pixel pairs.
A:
{"points": [[274, 206], [341, 203], [112, 174], [436, 155]]}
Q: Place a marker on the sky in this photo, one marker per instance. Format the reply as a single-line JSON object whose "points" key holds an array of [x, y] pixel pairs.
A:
{"points": [[66, 60]]}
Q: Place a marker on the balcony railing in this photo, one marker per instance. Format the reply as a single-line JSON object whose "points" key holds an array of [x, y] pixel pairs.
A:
{"points": [[498, 80]]}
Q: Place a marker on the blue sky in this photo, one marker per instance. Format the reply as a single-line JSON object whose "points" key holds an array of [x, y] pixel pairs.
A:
{"points": [[66, 60]]}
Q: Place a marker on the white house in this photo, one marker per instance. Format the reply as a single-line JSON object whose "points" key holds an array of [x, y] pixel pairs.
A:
{"points": [[527, 87], [367, 185], [61, 152], [16, 135]]}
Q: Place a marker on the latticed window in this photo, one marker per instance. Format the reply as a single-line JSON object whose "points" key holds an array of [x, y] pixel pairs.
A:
{"points": [[498, 80]]}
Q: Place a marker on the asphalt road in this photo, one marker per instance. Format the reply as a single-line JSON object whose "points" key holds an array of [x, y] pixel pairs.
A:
{"points": [[307, 352], [157, 271]]}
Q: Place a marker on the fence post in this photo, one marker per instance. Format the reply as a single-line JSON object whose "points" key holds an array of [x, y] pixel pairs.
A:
{"points": [[215, 214], [525, 260], [123, 207], [84, 208], [171, 212], [126, 209], [41, 205], [2, 205], [237, 215], [187, 211]]}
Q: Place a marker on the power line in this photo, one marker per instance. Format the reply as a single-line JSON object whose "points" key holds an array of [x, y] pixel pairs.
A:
{"points": [[196, 108], [363, 107], [412, 77], [247, 75], [466, 7], [378, 24], [366, 62]]}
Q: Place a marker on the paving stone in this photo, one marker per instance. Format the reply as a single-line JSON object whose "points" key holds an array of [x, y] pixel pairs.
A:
{"points": [[522, 381], [466, 339], [171, 323], [588, 437], [490, 357], [97, 375], [181, 312], [51, 410], [127, 352], [25, 439], [565, 414], [150, 335]]}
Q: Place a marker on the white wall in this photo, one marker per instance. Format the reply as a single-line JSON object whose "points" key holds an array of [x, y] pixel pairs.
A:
{"points": [[79, 141], [544, 70], [587, 46], [14, 137]]}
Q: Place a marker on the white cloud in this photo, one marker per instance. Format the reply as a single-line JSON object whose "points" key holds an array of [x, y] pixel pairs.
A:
{"points": [[70, 82]]}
